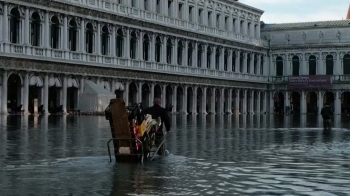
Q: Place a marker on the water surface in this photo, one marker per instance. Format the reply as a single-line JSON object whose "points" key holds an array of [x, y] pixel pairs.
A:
{"points": [[208, 155]]}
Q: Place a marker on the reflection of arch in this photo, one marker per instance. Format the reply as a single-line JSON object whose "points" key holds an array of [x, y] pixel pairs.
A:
{"points": [[72, 82], [35, 81], [55, 82]]}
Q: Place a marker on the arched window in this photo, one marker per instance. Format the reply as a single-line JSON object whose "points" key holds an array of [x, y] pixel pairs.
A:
{"points": [[105, 41], [158, 47], [73, 35], [329, 65], [89, 38], [225, 60], [295, 63], [133, 45], [15, 26], [189, 54], [346, 64], [241, 62], [35, 29], [279, 66], [199, 55], [217, 59], [119, 43], [209, 57], [179, 53], [249, 59], [169, 51], [146, 47], [55, 32], [312, 65]]}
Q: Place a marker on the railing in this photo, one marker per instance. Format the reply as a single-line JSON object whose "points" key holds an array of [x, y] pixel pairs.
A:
{"points": [[285, 79], [21, 51], [166, 20]]}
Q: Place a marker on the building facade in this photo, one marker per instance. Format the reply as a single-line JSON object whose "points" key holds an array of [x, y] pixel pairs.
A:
{"points": [[309, 49], [201, 56]]}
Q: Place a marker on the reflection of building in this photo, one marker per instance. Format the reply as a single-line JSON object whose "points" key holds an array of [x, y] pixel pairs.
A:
{"points": [[201, 56], [183, 50], [310, 48]]}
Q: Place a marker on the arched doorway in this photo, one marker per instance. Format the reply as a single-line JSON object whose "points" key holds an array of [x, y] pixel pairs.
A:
{"points": [[179, 99], [311, 101], [14, 93], [217, 100], [226, 101], [345, 102], [208, 105], [279, 102], [295, 102], [169, 95], [72, 94], [158, 91], [328, 99], [145, 95], [132, 93], [55, 95], [35, 93]]}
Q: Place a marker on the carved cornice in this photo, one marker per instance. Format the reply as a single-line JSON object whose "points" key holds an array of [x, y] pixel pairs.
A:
{"points": [[309, 47], [141, 24]]}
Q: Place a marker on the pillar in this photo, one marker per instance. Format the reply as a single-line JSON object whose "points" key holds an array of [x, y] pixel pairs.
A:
{"points": [[222, 101], [46, 94], [237, 63], [237, 102], [139, 93], [245, 63], [174, 99], [229, 61], [286, 101], [164, 97], [303, 103], [151, 95], [258, 103], [98, 38], [5, 30], [26, 26], [245, 96], [184, 100], [319, 102], [4, 91], [265, 102], [337, 104], [194, 102], [64, 94], [251, 63], [82, 35], [127, 44], [204, 100], [251, 102], [26, 93], [126, 93], [212, 101], [271, 102]]}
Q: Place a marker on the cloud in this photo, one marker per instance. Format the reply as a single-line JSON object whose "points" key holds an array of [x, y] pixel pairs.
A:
{"points": [[286, 11]]}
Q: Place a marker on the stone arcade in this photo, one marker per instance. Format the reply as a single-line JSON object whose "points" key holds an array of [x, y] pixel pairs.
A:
{"points": [[201, 56]]}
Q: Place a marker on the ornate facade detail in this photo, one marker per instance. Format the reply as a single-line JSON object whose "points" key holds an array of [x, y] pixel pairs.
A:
{"points": [[15, 6]]}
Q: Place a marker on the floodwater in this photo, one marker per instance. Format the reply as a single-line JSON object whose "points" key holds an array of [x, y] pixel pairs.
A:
{"points": [[208, 155]]}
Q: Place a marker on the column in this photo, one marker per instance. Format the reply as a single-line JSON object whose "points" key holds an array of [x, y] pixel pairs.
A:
{"points": [[258, 103], [287, 71], [238, 60], [4, 90], [213, 58], [229, 61], [46, 94], [245, 63], [164, 96], [165, 7], [126, 93], [127, 44], [175, 52], [139, 93], [251, 102], [26, 93], [265, 102], [204, 57], [303, 103], [319, 101], [222, 59], [258, 66], [245, 96], [174, 99], [222, 101], [153, 48], [184, 100], [113, 44], [65, 33], [229, 105], [251, 63], [64, 94], [194, 102], [98, 39], [5, 21], [141, 46], [204, 100], [151, 95], [82, 35], [271, 103], [26, 26], [337, 104], [286, 101], [47, 31], [212, 101], [258, 30], [163, 58], [237, 99], [195, 56], [185, 54], [237, 25]]}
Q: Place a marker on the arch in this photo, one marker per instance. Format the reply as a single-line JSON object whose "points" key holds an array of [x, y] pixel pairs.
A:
{"points": [[145, 98], [169, 51], [169, 95], [217, 58], [179, 52], [35, 81], [328, 99], [189, 100], [120, 43], [157, 90], [179, 98], [158, 48], [89, 38], [133, 44], [279, 102], [346, 64], [72, 82], [329, 64], [105, 40], [119, 86], [190, 51], [279, 66], [55, 32], [295, 99], [132, 93], [14, 92], [17, 74], [312, 65], [15, 27], [200, 106], [311, 103], [55, 82], [73, 35], [345, 102], [296, 66]]}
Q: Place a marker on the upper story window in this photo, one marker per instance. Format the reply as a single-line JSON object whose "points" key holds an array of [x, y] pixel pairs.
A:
{"points": [[133, 3], [190, 13], [200, 16], [242, 27], [146, 5], [180, 11], [218, 21], [170, 10], [209, 19], [158, 8], [227, 23]]}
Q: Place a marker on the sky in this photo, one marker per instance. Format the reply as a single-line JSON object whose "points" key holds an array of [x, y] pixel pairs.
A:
{"points": [[287, 11]]}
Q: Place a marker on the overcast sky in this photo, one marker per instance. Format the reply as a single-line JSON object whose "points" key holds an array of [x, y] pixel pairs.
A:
{"points": [[285, 11]]}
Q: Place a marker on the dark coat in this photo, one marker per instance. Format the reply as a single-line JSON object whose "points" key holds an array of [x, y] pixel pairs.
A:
{"points": [[326, 112], [158, 111]]}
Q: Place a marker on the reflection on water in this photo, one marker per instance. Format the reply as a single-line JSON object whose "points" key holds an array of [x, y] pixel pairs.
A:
{"points": [[209, 155]]}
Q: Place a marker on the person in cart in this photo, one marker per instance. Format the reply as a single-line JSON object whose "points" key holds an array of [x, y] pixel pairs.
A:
{"points": [[158, 111]]}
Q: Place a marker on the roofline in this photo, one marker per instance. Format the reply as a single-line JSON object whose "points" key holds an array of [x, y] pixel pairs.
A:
{"points": [[305, 27], [242, 5]]}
